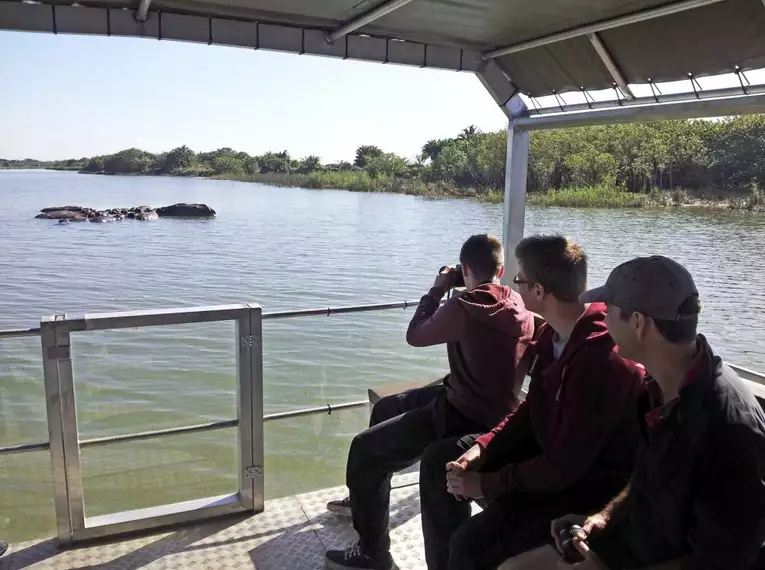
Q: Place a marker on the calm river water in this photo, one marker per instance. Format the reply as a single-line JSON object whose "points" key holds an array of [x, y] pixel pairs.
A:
{"points": [[285, 249]]}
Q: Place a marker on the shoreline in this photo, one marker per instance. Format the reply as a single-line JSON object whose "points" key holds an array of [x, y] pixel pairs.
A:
{"points": [[602, 197], [588, 197], [711, 165]]}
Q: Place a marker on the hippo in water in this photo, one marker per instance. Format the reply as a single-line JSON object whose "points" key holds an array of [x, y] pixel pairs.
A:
{"points": [[74, 219], [186, 211], [144, 213], [102, 219]]}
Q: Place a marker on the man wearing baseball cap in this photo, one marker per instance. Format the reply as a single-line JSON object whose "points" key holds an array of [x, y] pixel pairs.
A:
{"points": [[696, 499]]}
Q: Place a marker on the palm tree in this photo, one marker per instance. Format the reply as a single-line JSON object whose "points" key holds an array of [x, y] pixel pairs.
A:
{"points": [[432, 149], [468, 133], [311, 163]]}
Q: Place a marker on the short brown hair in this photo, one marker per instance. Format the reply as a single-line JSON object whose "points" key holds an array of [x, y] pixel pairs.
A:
{"points": [[484, 255], [557, 264]]}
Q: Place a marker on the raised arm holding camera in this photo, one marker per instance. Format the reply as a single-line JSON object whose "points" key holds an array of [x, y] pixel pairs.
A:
{"points": [[486, 330]]}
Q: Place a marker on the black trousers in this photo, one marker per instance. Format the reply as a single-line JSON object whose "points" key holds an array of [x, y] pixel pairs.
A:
{"points": [[400, 429], [514, 523]]}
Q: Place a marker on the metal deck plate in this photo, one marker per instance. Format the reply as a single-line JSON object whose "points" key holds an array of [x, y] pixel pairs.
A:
{"points": [[292, 534]]}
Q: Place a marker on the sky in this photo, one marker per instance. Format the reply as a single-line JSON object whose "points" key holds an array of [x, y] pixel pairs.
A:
{"points": [[70, 96]]}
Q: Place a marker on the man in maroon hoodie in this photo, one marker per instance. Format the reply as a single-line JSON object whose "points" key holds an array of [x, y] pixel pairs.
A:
{"points": [[570, 445], [486, 331]]}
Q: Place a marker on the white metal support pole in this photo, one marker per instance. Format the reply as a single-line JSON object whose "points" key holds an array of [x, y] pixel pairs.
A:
{"points": [[62, 427], [143, 11], [250, 409], [608, 61], [368, 18], [248, 469], [618, 22], [687, 109], [516, 171], [256, 405]]}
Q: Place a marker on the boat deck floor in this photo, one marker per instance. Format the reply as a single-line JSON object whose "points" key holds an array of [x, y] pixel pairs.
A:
{"points": [[292, 533]]}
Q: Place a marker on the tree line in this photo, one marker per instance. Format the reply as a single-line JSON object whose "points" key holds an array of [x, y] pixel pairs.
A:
{"points": [[638, 158]]}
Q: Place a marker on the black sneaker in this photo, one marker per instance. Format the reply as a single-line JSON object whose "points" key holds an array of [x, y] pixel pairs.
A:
{"points": [[3, 548], [354, 557], [341, 508]]}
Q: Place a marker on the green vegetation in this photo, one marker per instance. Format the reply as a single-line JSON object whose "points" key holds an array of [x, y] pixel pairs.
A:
{"points": [[719, 163], [586, 196], [612, 197], [32, 163]]}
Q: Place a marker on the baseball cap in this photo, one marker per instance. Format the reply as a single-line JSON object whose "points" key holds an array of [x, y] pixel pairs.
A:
{"points": [[656, 286]]}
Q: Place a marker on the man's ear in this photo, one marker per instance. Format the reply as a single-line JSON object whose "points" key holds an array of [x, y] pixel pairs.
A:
{"points": [[641, 325], [501, 272]]}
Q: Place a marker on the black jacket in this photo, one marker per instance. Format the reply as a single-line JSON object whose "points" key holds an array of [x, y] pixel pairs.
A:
{"points": [[698, 489]]}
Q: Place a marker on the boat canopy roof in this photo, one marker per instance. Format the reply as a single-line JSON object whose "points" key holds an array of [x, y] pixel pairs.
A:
{"points": [[536, 48]]}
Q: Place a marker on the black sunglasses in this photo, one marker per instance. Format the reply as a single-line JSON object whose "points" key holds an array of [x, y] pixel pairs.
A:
{"points": [[518, 281]]}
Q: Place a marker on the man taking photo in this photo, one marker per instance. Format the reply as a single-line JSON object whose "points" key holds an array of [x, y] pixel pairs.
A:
{"points": [[486, 331]]}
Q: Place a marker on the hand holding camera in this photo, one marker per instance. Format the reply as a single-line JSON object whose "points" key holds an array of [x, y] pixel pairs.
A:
{"points": [[567, 532], [450, 276], [571, 533]]}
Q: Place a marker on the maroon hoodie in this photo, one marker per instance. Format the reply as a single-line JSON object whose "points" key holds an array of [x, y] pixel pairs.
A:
{"points": [[580, 412], [486, 332]]}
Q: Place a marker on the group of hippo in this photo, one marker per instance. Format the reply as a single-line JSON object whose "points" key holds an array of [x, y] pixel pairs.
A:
{"points": [[66, 214]]}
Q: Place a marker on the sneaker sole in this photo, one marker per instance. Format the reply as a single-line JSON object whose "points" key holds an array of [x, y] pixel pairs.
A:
{"points": [[329, 565], [339, 511]]}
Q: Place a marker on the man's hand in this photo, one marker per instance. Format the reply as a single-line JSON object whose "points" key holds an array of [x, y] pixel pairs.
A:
{"points": [[590, 525], [463, 484], [459, 478], [594, 524], [557, 525], [445, 278], [467, 461]]}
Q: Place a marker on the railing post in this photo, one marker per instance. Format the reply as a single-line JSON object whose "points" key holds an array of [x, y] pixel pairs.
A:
{"points": [[62, 427], [250, 408], [516, 171]]}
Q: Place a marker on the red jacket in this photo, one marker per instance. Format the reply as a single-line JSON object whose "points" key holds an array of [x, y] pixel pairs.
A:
{"points": [[486, 332], [580, 411]]}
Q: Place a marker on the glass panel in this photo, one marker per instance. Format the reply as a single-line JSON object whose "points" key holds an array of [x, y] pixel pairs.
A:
{"points": [[23, 417], [155, 377], [26, 490], [307, 453], [311, 361], [135, 380], [170, 469], [26, 497]]}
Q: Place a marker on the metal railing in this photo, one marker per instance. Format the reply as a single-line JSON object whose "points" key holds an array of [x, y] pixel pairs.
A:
{"points": [[65, 445], [218, 424], [9, 333]]}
